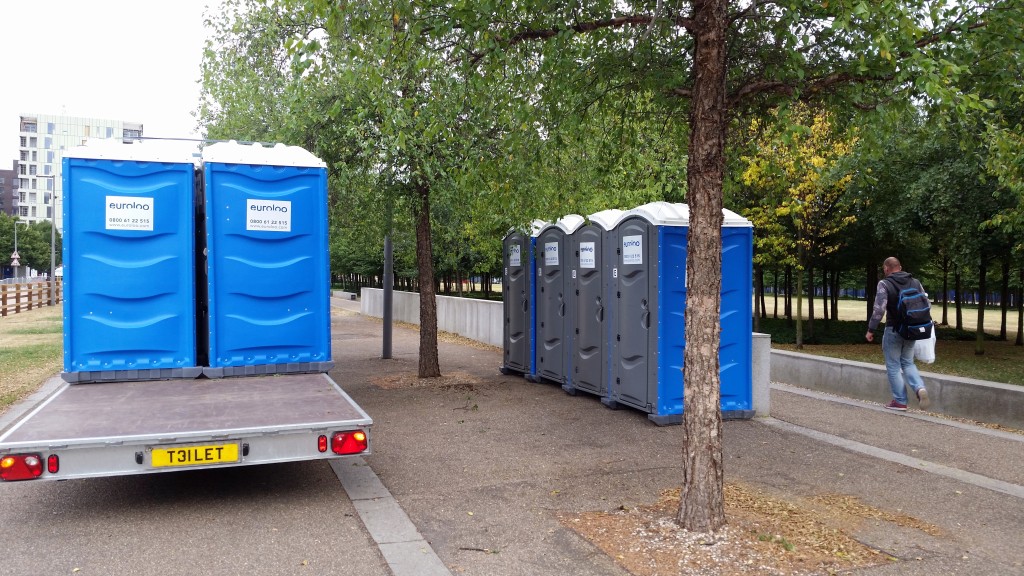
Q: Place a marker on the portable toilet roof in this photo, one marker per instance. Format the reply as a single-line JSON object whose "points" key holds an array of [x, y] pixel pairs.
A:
{"points": [[171, 151], [606, 218], [675, 214], [536, 226], [257, 154], [570, 223]]}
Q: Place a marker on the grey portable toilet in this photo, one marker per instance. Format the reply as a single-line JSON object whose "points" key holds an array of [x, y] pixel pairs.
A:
{"points": [[551, 254], [648, 331], [517, 302], [590, 309]]}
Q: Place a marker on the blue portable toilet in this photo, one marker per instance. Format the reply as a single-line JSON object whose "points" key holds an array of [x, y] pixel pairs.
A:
{"points": [[129, 280], [553, 323], [648, 332], [590, 313], [268, 277]]}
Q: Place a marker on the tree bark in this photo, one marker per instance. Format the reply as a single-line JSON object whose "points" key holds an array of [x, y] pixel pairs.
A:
{"points": [[429, 366], [701, 506]]}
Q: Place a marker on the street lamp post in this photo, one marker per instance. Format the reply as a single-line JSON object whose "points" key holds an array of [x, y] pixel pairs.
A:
{"points": [[53, 238]]}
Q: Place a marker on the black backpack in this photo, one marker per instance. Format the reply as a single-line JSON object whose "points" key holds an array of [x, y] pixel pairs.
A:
{"points": [[913, 312]]}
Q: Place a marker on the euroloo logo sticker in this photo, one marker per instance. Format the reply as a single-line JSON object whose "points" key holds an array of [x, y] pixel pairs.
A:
{"points": [[633, 249], [268, 215], [129, 213]]}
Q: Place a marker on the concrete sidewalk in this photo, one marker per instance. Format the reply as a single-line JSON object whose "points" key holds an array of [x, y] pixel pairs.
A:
{"points": [[482, 463]]}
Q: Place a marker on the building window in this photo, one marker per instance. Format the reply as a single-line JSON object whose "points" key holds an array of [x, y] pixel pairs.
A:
{"points": [[49, 159], [50, 127], [49, 212], [34, 214], [21, 196], [21, 169], [110, 132], [49, 183], [33, 142], [35, 156], [31, 169], [23, 210], [24, 155], [22, 182], [48, 143], [24, 142], [33, 198], [28, 126]]}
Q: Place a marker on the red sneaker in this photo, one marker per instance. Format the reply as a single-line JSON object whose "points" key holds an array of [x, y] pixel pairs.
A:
{"points": [[894, 405]]}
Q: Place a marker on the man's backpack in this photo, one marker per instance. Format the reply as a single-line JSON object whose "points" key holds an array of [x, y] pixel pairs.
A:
{"points": [[913, 312]]}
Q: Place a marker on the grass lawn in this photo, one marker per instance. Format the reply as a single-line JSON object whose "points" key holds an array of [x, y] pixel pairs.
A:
{"points": [[954, 350], [31, 350]]}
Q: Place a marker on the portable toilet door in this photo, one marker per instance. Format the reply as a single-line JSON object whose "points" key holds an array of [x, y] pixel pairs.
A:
{"points": [[589, 293], [130, 305], [552, 297], [735, 357], [268, 267], [516, 301], [649, 284]]}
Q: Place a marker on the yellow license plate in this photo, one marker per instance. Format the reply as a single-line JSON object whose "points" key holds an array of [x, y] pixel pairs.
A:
{"points": [[194, 455]]}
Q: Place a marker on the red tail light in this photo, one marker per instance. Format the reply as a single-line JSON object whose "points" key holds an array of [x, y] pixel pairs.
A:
{"points": [[321, 443], [21, 467], [348, 442], [52, 464]]}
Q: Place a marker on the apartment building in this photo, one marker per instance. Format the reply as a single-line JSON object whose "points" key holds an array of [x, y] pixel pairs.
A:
{"points": [[9, 190], [43, 138]]}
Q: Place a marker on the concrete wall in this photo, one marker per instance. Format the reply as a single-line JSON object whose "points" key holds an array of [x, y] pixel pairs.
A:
{"points": [[952, 395], [482, 321], [479, 320]]}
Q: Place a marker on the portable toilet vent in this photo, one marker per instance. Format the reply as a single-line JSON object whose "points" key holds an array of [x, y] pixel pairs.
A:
{"points": [[591, 312], [129, 279], [648, 333], [267, 260], [552, 297]]}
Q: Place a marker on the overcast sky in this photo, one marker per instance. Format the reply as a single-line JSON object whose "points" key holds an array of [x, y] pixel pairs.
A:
{"points": [[131, 60]]}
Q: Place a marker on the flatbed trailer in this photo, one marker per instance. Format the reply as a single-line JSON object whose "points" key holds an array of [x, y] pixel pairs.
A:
{"points": [[121, 428]]}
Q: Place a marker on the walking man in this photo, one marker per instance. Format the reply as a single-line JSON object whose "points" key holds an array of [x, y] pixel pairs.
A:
{"points": [[899, 353]]}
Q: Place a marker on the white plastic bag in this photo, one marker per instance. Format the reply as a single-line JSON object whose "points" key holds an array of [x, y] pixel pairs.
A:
{"points": [[924, 350]]}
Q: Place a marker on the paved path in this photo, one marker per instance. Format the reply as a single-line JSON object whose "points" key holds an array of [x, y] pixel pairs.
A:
{"points": [[483, 464]]}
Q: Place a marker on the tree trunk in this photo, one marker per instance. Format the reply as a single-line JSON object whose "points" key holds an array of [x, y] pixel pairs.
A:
{"points": [[835, 297], [1004, 297], [958, 298], [979, 335], [945, 290], [764, 308], [789, 293], [810, 302], [701, 506], [870, 286], [1020, 306], [775, 289], [824, 295], [429, 366], [758, 296]]}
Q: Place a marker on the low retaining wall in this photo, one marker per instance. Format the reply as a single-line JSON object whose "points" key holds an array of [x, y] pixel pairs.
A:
{"points": [[481, 320], [951, 395]]}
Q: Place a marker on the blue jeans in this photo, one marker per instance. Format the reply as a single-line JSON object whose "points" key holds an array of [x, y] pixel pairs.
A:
{"points": [[899, 363]]}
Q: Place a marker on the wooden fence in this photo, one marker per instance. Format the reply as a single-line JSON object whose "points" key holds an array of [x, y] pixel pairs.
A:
{"points": [[16, 298]]}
